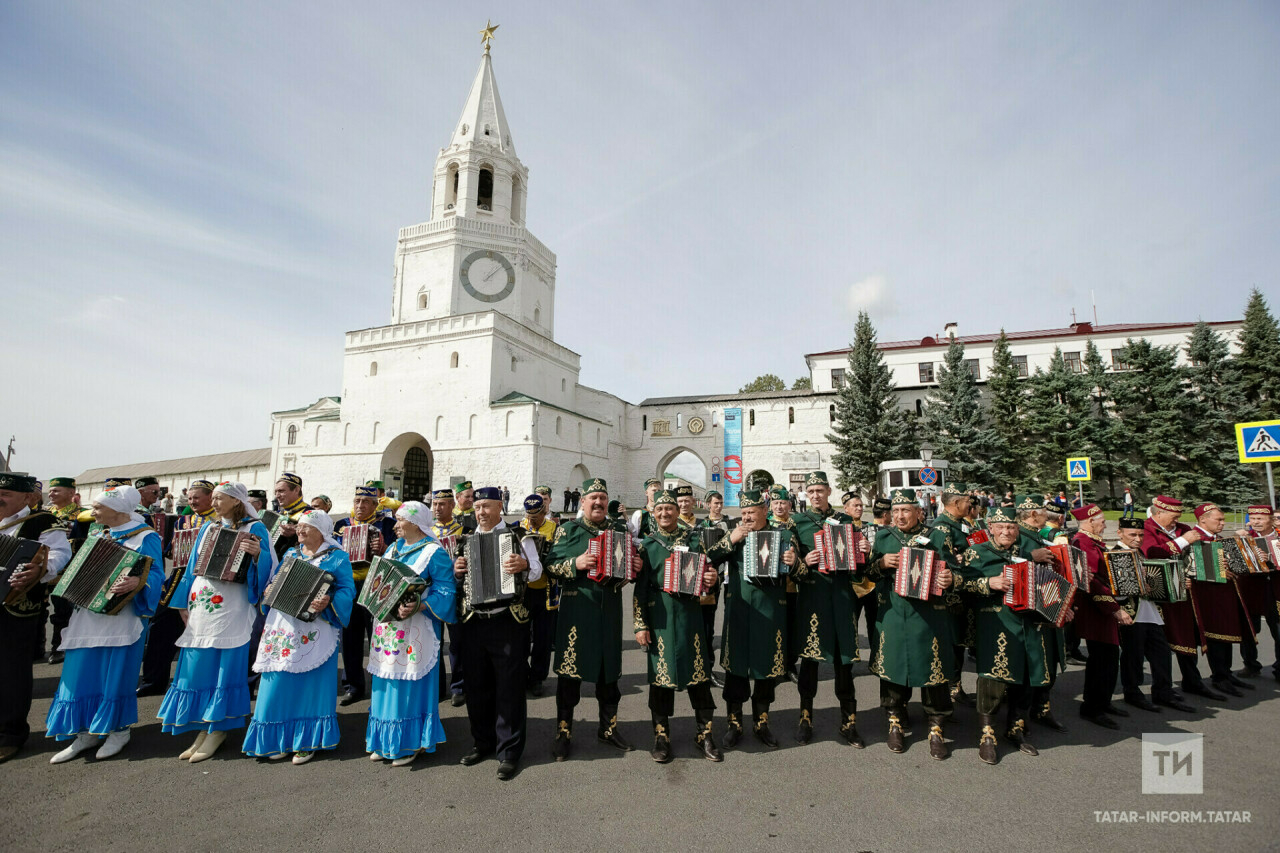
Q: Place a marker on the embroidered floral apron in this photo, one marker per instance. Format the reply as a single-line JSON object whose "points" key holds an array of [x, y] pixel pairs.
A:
{"points": [[406, 649], [291, 645]]}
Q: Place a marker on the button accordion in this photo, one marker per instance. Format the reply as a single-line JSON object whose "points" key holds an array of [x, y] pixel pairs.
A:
{"points": [[616, 557], [296, 586], [1163, 581], [87, 580], [1254, 554], [710, 536], [684, 573], [1124, 572], [762, 554], [978, 537], [222, 556], [1209, 561], [486, 583], [1270, 546], [839, 548], [274, 522], [1073, 564], [358, 542], [1037, 588], [14, 552], [389, 584], [918, 574], [183, 544]]}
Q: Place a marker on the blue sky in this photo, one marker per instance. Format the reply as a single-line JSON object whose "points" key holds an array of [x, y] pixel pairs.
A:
{"points": [[196, 200]]}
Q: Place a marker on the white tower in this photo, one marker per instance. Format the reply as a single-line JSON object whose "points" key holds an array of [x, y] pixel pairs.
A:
{"points": [[474, 254]]}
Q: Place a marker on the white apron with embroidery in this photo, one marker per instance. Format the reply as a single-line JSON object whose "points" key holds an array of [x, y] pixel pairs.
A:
{"points": [[406, 650], [291, 645], [219, 616], [88, 630]]}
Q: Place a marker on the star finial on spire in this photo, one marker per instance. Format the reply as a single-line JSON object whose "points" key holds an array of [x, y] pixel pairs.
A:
{"points": [[486, 35]]}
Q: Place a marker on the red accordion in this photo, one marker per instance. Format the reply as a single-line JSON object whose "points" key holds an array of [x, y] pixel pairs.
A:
{"points": [[362, 542], [839, 548], [182, 544], [616, 557], [1040, 589], [1071, 563], [684, 573], [978, 537], [918, 574]]}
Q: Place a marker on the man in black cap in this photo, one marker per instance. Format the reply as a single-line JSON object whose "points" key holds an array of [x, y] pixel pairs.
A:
{"points": [[149, 492], [864, 590], [542, 596], [19, 618], [63, 504], [288, 493], [258, 497], [642, 523], [446, 529]]}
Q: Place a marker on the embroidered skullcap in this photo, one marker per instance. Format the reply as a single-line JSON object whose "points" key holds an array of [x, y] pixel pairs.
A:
{"points": [[816, 478], [1168, 504], [751, 497], [664, 497], [684, 491], [1204, 509], [62, 482], [459, 488], [903, 497], [290, 478], [366, 492], [534, 503], [1002, 515], [595, 484], [1086, 512], [207, 485]]}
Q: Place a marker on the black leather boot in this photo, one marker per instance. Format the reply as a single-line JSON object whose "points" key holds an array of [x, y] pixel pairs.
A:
{"points": [[704, 739], [849, 724], [661, 751], [937, 743], [1018, 734], [804, 731], [733, 733], [897, 738], [608, 731], [564, 735], [987, 744]]}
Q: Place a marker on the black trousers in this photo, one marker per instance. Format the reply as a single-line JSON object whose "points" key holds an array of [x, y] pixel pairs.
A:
{"points": [[709, 622], [808, 681], [737, 690], [1219, 655], [793, 651], [1189, 666], [542, 634], [992, 693], [1100, 674], [355, 639], [157, 658], [935, 699], [59, 619], [19, 639], [495, 653], [1248, 646], [662, 700], [569, 694], [867, 605], [1144, 641], [457, 642]]}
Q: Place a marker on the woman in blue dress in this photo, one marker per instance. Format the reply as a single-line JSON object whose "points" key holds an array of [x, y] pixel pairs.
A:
{"points": [[209, 694], [404, 718], [297, 708], [96, 695]]}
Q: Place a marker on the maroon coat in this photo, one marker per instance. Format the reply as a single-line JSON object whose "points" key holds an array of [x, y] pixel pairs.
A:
{"points": [[1180, 627], [1219, 607], [1258, 591], [1095, 617]]}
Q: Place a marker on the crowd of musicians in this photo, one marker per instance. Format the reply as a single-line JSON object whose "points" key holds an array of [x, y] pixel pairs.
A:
{"points": [[241, 664]]}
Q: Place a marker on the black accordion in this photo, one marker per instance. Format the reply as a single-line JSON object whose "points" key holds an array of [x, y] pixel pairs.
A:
{"points": [[486, 583], [762, 554], [296, 586], [222, 557], [710, 536], [14, 552], [87, 580], [389, 584], [1124, 567], [273, 521]]}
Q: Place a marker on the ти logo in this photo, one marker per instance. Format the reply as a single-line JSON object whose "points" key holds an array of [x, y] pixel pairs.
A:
{"points": [[1173, 763]]}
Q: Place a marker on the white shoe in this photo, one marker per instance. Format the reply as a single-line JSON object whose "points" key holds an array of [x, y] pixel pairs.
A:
{"points": [[82, 742], [407, 760], [279, 756], [209, 747], [303, 757], [194, 748], [113, 744], [373, 756]]}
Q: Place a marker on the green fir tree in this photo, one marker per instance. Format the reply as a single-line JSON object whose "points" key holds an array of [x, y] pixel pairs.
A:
{"points": [[1105, 438], [1153, 404], [868, 427], [955, 423], [1006, 406], [1214, 387], [1056, 410], [1259, 361]]}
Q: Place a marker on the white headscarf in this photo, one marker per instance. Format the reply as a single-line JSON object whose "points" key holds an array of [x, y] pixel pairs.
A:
{"points": [[417, 513], [240, 493], [320, 520], [122, 499]]}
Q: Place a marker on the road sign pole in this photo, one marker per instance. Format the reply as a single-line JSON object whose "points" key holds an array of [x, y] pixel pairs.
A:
{"points": [[1271, 487]]}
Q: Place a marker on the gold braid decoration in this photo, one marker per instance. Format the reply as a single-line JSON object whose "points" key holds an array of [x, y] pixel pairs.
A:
{"points": [[877, 665], [779, 658], [988, 735], [661, 676], [812, 646], [1018, 729], [699, 673], [895, 724], [936, 675], [569, 660], [659, 730], [1044, 656], [1000, 666], [562, 569], [637, 616]]}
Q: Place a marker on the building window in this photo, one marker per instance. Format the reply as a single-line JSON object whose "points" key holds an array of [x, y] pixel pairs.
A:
{"points": [[597, 436], [1117, 360], [679, 421], [563, 386], [453, 360], [293, 434], [971, 365], [373, 368], [484, 195], [1020, 364], [837, 378], [831, 413], [751, 417], [791, 415], [537, 316], [715, 418], [513, 364], [471, 427], [919, 407], [1073, 361], [557, 424], [424, 299], [926, 371], [644, 423]]}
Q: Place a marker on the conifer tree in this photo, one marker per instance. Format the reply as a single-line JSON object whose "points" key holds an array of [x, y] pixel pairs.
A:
{"points": [[1152, 402], [1056, 410], [868, 426], [1006, 407], [955, 423], [1105, 438], [1259, 360], [1214, 388]]}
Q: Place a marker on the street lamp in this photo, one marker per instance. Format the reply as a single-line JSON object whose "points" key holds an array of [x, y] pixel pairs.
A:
{"points": [[926, 454]]}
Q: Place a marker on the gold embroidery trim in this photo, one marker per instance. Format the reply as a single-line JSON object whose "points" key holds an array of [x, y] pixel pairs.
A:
{"points": [[936, 676], [699, 672], [1000, 666], [812, 646], [779, 658], [1044, 657], [877, 665], [661, 676], [569, 660]]}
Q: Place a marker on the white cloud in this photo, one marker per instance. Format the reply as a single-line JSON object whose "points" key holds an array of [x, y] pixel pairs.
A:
{"points": [[873, 295]]}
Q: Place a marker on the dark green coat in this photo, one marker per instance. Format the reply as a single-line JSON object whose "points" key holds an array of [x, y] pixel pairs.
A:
{"points": [[916, 637], [589, 625], [824, 625], [951, 540], [1012, 647], [753, 636], [1029, 539], [680, 651]]}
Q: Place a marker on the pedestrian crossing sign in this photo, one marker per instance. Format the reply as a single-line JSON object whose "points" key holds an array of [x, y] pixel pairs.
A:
{"points": [[1078, 470], [1258, 441]]}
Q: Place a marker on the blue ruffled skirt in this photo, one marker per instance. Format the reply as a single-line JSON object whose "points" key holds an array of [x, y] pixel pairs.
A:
{"points": [[210, 691], [404, 716], [96, 693], [296, 711]]}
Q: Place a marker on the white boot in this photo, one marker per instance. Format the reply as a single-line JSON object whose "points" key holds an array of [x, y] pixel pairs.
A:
{"points": [[83, 741], [113, 744], [209, 747], [194, 748]]}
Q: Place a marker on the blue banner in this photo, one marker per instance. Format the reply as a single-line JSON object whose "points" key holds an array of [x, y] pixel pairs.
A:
{"points": [[732, 456]]}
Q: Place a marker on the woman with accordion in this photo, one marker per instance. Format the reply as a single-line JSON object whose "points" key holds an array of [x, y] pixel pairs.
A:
{"points": [[209, 694], [104, 651], [404, 719], [298, 654]]}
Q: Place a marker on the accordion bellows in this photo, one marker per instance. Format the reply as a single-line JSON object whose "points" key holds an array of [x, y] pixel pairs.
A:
{"points": [[486, 583], [87, 580], [762, 554], [296, 586], [616, 557], [684, 573], [839, 548], [14, 552], [389, 584], [1036, 587], [222, 556], [917, 574]]}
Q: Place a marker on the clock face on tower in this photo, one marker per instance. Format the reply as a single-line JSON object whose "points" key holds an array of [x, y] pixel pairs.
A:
{"points": [[487, 275]]}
